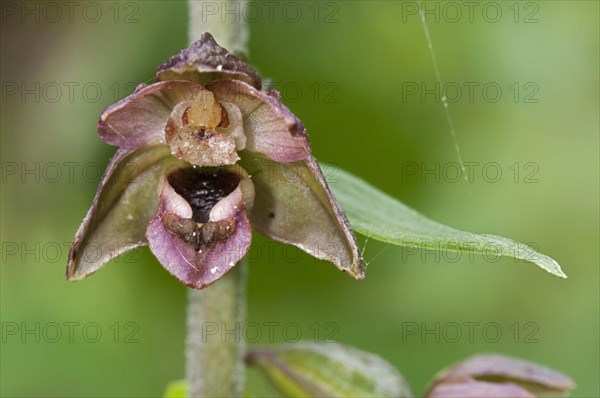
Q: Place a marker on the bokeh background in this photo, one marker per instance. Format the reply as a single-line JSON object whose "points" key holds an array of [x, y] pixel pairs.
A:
{"points": [[346, 69]]}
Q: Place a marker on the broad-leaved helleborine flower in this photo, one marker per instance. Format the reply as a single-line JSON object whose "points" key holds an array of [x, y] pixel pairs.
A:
{"points": [[205, 155]]}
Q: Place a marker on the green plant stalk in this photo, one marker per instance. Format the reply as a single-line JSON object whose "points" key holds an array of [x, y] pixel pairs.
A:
{"points": [[230, 31], [215, 346]]}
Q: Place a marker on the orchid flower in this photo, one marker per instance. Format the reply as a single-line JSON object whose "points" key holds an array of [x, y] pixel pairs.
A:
{"points": [[204, 157]]}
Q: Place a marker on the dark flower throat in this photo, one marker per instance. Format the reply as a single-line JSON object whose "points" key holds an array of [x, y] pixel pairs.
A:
{"points": [[202, 189]]}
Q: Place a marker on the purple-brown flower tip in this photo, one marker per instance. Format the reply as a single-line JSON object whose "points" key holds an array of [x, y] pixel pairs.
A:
{"points": [[201, 151], [497, 376], [206, 61]]}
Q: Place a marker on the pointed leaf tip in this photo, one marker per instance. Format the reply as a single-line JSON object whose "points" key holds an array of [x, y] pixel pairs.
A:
{"points": [[381, 217]]}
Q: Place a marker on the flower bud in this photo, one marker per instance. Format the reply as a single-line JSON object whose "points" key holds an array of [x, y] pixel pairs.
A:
{"points": [[328, 370], [490, 375]]}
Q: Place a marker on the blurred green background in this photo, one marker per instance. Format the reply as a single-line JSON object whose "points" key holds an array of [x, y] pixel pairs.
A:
{"points": [[344, 68]]}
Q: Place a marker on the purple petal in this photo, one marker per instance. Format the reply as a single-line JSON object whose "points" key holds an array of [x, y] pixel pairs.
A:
{"points": [[126, 200], [140, 119], [477, 389], [270, 128], [294, 205], [199, 244], [501, 370], [205, 61]]}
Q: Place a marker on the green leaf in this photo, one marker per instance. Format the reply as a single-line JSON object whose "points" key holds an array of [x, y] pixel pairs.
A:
{"points": [[381, 217], [327, 370]]}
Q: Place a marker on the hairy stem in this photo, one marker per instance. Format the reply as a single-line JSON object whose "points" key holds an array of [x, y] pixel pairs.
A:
{"points": [[215, 348], [214, 358], [229, 30]]}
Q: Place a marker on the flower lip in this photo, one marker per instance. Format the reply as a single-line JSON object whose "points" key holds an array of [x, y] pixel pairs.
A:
{"points": [[202, 190], [200, 230]]}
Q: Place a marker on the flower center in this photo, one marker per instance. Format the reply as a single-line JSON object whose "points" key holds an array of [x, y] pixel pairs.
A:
{"points": [[204, 113], [204, 132]]}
